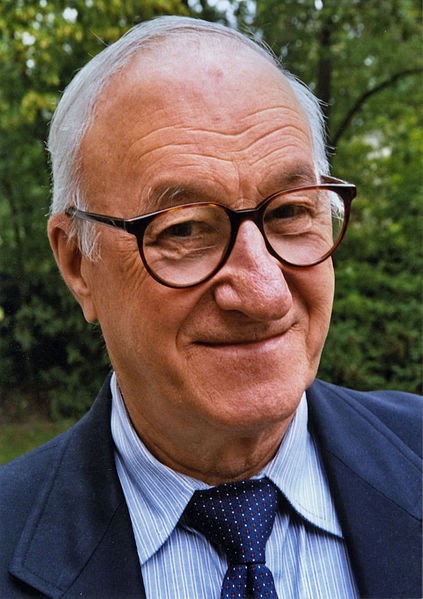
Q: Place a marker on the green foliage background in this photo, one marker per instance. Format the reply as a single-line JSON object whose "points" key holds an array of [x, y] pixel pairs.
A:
{"points": [[362, 58]]}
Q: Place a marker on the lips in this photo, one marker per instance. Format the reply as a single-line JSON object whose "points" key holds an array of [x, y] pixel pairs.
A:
{"points": [[243, 340]]}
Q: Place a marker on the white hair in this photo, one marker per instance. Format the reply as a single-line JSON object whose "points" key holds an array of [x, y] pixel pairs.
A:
{"points": [[75, 110]]}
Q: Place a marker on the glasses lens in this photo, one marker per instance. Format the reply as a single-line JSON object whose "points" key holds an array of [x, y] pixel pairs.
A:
{"points": [[304, 226], [184, 245]]}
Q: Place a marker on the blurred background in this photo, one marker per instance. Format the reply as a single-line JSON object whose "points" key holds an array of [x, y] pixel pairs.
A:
{"points": [[363, 59]]}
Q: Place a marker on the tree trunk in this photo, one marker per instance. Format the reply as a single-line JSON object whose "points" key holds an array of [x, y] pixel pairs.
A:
{"points": [[324, 69]]}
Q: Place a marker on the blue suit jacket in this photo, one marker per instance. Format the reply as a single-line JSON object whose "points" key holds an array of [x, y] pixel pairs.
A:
{"points": [[65, 529]]}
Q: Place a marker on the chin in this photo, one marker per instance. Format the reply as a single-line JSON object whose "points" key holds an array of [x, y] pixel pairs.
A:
{"points": [[257, 406]]}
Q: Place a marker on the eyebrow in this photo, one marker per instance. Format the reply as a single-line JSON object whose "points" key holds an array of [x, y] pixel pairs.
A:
{"points": [[296, 176], [172, 193]]}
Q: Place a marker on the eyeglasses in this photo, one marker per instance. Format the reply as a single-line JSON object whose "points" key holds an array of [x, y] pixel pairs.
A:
{"points": [[186, 245]]}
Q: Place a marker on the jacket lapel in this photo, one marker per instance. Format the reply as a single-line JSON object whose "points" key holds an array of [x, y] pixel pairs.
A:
{"points": [[78, 540], [374, 476]]}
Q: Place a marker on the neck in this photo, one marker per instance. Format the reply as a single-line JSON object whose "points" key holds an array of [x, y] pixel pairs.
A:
{"points": [[206, 444], [214, 457]]}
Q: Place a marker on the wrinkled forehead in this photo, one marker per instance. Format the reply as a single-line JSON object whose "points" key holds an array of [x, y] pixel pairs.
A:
{"points": [[190, 105]]}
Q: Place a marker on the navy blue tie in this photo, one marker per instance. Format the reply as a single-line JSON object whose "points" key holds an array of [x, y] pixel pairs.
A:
{"points": [[238, 517]]}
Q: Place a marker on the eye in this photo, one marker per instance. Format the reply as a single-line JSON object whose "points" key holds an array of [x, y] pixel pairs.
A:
{"points": [[198, 233], [183, 229], [287, 211], [192, 228], [288, 218]]}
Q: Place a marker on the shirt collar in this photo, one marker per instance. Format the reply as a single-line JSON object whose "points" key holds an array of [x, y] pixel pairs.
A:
{"points": [[297, 470], [159, 495]]}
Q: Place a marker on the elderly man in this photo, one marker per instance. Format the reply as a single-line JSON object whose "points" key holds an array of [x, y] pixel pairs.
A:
{"points": [[194, 219]]}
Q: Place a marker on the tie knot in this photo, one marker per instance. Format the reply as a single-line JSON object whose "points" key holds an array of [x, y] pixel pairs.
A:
{"points": [[238, 517]]}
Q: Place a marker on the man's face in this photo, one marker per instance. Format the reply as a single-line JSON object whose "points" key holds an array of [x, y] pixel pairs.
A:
{"points": [[237, 352]]}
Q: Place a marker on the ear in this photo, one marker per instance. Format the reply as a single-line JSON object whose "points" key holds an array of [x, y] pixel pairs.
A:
{"points": [[73, 265]]}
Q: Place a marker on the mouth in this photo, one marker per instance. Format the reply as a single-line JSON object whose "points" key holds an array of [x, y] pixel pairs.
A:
{"points": [[251, 343]]}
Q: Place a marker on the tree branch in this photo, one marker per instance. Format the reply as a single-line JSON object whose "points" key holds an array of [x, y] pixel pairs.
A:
{"points": [[371, 92]]}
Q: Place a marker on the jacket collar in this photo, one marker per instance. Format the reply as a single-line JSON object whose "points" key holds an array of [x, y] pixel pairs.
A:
{"points": [[80, 521], [374, 476]]}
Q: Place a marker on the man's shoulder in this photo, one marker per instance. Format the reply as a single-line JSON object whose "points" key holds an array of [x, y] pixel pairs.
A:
{"points": [[53, 470], [43, 457], [33, 468], [379, 401], [370, 444], [397, 411], [22, 479], [29, 467], [22, 484]]}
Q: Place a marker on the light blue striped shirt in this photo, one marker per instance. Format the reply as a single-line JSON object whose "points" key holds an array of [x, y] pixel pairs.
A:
{"points": [[305, 552]]}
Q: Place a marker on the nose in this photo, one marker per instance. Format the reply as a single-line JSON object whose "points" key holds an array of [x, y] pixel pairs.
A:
{"points": [[252, 281]]}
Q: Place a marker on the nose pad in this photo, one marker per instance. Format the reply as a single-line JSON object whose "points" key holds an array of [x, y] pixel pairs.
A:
{"points": [[252, 280]]}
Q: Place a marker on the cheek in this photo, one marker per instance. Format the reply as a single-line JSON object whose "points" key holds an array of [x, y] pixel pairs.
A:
{"points": [[314, 290], [145, 315], [117, 280]]}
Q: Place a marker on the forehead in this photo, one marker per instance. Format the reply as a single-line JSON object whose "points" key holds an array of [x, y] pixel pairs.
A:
{"points": [[213, 111]]}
